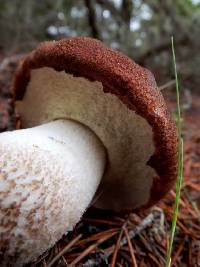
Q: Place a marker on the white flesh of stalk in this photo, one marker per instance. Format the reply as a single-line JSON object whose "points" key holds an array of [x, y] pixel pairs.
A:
{"points": [[48, 177]]}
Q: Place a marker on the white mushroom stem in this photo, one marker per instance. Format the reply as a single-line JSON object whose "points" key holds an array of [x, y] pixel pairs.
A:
{"points": [[48, 177]]}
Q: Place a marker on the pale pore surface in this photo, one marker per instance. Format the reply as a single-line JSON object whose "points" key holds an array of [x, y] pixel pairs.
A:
{"points": [[126, 136], [48, 176]]}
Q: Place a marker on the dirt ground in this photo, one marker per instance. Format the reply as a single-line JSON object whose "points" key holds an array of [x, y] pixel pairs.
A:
{"points": [[137, 240]]}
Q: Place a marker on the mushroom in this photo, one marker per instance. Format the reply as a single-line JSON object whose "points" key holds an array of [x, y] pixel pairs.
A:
{"points": [[95, 129]]}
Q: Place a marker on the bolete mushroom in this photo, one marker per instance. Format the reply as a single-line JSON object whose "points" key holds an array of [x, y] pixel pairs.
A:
{"points": [[92, 121]]}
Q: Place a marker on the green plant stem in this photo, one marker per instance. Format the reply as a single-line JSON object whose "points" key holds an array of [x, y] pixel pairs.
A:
{"points": [[179, 179]]}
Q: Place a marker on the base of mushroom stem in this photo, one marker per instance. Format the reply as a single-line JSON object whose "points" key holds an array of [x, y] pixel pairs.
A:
{"points": [[48, 177]]}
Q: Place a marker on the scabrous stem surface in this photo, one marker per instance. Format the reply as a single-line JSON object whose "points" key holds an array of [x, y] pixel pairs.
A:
{"points": [[48, 177]]}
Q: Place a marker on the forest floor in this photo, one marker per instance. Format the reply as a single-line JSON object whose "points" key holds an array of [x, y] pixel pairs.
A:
{"points": [[138, 240]]}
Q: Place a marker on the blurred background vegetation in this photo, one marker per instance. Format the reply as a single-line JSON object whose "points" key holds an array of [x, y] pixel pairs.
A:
{"points": [[140, 28]]}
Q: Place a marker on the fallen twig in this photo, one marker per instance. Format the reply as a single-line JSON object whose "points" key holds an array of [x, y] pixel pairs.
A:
{"points": [[62, 252]]}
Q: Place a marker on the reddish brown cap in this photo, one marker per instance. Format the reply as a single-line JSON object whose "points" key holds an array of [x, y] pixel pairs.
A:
{"points": [[119, 75]]}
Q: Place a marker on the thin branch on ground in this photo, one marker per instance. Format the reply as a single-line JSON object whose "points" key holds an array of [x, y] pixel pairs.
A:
{"points": [[62, 252]]}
